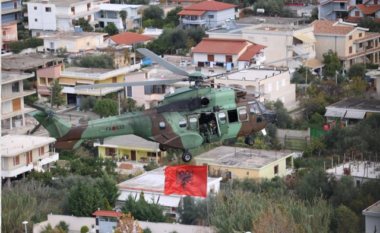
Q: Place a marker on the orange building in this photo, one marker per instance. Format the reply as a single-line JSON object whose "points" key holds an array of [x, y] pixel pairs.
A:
{"points": [[8, 34]]}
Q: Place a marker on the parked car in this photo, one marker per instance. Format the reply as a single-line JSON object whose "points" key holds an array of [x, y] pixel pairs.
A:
{"points": [[183, 63]]}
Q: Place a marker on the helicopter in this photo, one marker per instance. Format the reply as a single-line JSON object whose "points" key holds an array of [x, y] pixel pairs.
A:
{"points": [[185, 119]]}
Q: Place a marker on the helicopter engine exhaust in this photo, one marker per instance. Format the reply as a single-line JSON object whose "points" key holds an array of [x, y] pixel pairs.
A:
{"points": [[205, 101]]}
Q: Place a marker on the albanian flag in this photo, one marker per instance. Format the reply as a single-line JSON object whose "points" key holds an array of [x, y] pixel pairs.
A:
{"points": [[186, 180]]}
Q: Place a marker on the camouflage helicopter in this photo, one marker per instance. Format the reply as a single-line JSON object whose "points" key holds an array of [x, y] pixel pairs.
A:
{"points": [[185, 119]]}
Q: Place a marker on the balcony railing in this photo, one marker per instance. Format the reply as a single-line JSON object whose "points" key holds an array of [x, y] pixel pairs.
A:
{"points": [[193, 21], [9, 37], [17, 171], [73, 15]]}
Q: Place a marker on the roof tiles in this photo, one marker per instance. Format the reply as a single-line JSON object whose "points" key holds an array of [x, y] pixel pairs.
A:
{"points": [[210, 6], [127, 38], [251, 52], [221, 46], [328, 27]]}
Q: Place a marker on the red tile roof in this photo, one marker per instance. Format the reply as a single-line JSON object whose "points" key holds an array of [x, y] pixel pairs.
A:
{"points": [[369, 51], [367, 9], [106, 213], [187, 12], [251, 52], [350, 7], [353, 19], [221, 46], [127, 38], [327, 27], [210, 6], [368, 36]]}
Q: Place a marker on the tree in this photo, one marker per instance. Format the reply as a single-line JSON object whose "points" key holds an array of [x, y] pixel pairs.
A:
{"points": [[192, 211], [356, 88], [84, 199], [49, 229], [106, 107], [129, 105], [197, 34], [56, 92], [108, 187], [18, 46], [101, 61], [345, 220], [356, 70], [172, 16], [123, 15], [314, 14], [370, 23], [84, 24], [332, 63], [127, 224], [88, 103], [143, 210], [317, 146], [284, 119], [111, 29], [153, 12], [314, 184]]}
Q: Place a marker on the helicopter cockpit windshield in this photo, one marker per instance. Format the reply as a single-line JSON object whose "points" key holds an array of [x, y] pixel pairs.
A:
{"points": [[261, 112]]}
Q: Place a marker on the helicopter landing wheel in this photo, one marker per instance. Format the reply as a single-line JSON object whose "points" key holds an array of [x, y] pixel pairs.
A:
{"points": [[249, 141], [186, 156], [162, 147]]}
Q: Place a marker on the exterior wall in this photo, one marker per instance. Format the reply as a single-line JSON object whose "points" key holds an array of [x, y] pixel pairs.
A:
{"points": [[121, 152], [268, 171], [39, 18], [9, 35], [8, 11], [45, 76], [73, 46], [236, 173], [325, 43], [372, 223], [6, 90], [222, 16], [138, 92]]}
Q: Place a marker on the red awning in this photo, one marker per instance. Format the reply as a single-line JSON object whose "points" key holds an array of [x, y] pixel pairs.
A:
{"points": [[188, 12], [107, 213]]}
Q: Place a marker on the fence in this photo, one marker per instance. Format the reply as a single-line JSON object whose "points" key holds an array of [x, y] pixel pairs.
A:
{"points": [[295, 143], [317, 133]]}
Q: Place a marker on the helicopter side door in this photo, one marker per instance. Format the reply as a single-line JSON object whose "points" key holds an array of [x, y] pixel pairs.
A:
{"points": [[222, 122], [244, 120], [193, 122]]}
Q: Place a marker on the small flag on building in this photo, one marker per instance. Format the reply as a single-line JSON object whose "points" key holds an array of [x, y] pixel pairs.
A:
{"points": [[186, 180]]}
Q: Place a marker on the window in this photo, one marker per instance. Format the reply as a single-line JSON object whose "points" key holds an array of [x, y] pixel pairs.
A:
{"points": [[193, 123], [129, 91], [357, 13], [15, 87], [276, 169], [243, 114], [222, 118], [232, 116], [162, 125], [247, 173], [357, 183], [350, 49], [360, 34], [269, 87], [375, 2], [88, 43], [211, 16], [35, 20], [89, 18], [277, 85], [29, 157], [283, 82], [35, 8], [41, 151], [114, 79], [42, 81], [48, 9], [350, 37], [182, 123], [16, 160], [360, 45], [110, 151]]}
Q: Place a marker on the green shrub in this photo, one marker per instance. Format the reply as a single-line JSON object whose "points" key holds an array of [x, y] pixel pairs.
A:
{"points": [[84, 229]]}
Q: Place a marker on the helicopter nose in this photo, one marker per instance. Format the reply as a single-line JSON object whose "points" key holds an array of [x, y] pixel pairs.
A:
{"points": [[272, 117]]}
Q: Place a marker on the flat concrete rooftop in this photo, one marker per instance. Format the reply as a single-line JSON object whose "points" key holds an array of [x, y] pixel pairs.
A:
{"points": [[12, 145], [10, 77], [242, 157], [251, 74], [71, 35], [62, 2], [363, 169], [130, 141], [88, 70], [27, 61], [359, 104]]}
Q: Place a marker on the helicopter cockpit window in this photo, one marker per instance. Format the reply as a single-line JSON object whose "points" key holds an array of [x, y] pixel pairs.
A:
{"points": [[182, 123], [162, 125], [254, 108], [243, 114], [193, 123], [222, 118], [263, 108]]}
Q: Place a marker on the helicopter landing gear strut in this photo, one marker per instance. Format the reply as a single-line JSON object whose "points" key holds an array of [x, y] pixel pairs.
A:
{"points": [[161, 147], [249, 141], [186, 156]]}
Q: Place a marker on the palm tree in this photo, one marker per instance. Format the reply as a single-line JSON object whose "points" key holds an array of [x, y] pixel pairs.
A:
{"points": [[123, 15]]}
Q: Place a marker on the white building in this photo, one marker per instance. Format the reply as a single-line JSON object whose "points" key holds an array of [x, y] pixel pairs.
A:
{"points": [[275, 83], [207, 14], [21, 154], [372, 218], [361, 171], [152, 183], [110, 13], [47, 16]]}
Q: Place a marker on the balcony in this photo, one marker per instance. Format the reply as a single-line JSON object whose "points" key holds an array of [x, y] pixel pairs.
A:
{"points": [[194, 21], [9, 37], [91, 91], [50, 159], [75, 15], [17, 171]]}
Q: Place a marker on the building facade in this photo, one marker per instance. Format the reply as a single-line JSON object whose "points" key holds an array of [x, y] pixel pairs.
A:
{"points": [[372, 217], [110, 13], [21, 154], [45, 17], [352, 44], [207, 14], [8, 34], [11, 11]]}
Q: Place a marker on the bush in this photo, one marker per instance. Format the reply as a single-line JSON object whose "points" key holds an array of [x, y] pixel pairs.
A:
{"points": [[84, 229], [18, 46]]}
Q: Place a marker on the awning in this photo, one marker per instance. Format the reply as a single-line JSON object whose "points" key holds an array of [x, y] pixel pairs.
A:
{"points": [[353, 114], [314, 63], [335, 113], [85, 81], [67, 81], [304, 38], [124, 195], [169, 201], [189, 12]]}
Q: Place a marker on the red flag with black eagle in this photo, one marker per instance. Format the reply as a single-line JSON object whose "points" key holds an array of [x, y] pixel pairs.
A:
{"points": [[186, 180]]}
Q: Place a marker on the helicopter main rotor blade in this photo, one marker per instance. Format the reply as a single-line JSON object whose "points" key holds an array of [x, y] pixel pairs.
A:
{"points": [[162, 62], [128, 84], [38, 126]]}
